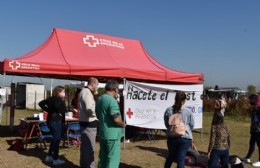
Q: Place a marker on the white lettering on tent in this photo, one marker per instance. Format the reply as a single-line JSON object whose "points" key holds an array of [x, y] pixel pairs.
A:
{"points": [[111, 43], [92, 41], [14, 65], [30, 66]]}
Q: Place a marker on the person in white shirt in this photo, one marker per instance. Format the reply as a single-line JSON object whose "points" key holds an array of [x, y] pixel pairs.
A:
{"points": [[88, 123]]}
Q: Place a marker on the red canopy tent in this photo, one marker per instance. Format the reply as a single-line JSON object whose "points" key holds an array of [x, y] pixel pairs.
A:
{"points": [[77, 55]]}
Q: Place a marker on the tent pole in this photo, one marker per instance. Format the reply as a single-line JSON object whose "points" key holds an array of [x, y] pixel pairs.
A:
{"points": [[12, 107], [51, 86], [6, 98], [2, 100], [3, 81], [124, 110]]}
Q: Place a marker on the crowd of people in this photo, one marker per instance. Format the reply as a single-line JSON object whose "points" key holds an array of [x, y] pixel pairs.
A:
{"points": [[103, 117], [220, 136], [106, 115]]}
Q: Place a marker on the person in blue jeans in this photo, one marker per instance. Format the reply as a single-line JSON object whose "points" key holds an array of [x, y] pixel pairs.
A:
{"points": [[56, 108], [219, 143], [178, 145]]}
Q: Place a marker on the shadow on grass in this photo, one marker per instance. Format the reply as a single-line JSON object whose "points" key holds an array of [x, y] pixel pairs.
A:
{"points": [[6, 132], [123, 165], [198, 131], [38, 152], [158, 151], [164, 153]]}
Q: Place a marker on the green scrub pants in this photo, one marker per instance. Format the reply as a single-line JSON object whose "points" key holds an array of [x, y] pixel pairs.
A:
{"points": [[109, 154]]}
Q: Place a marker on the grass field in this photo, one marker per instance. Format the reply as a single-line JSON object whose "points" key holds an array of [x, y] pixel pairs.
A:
{"points": [[139, 154]]}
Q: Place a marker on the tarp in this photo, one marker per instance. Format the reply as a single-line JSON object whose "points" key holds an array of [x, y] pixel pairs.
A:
{"points": [[77, 55]]}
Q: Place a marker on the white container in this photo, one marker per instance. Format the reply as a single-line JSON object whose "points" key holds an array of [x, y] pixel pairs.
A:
{"points": [[41, 117], [70, 114], [35, 115]]}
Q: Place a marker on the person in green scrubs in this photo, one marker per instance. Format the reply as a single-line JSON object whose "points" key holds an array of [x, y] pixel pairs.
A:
{"points": [[111, 126]]}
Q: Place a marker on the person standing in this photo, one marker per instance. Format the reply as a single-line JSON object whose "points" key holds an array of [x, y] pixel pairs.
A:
{"points": [[56, 108], [254, 129], [220, 104], [111, 126], [88, 123], [219, 143], [178, 145]]}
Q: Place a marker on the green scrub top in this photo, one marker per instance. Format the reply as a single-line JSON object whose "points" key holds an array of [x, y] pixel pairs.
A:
{"points": [[106, 107]]}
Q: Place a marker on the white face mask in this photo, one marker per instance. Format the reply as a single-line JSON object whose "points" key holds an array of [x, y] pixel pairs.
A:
{"points": [[62, 94], [117, 98], [96, 92]]}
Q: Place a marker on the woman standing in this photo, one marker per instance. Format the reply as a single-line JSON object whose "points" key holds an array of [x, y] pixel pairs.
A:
{"points": [[254, 129], [219, 143], [178, 145], [56, 108]]}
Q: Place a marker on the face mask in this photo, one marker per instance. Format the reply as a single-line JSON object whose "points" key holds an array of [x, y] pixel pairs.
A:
{"points": [[96, 89], [96, 92], [62, 94], [117, 98]]}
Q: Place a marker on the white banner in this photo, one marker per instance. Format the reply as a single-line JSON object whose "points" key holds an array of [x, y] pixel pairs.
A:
{"points": [[2, 101], [145, 104]]}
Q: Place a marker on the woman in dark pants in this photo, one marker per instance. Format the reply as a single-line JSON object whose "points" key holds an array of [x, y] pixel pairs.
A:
{"points": [[219, 143], [56, 108], [254, 129], [178, 146]]}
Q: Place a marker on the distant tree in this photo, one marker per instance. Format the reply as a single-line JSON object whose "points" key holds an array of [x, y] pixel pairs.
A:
{"points": [[251, 89]]}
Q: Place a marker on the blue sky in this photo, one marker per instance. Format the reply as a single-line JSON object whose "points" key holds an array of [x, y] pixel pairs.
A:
{"points": [[220, 38]]}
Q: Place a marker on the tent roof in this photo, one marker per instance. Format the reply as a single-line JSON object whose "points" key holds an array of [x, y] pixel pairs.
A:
{"points": [[77, 55]]}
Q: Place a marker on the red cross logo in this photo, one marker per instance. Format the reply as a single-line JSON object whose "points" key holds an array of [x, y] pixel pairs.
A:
{"points": [[90, 40], [14, 65], [129, 113]]}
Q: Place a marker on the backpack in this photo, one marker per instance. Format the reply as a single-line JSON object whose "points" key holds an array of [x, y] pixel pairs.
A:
{"points": [[178, 127]]}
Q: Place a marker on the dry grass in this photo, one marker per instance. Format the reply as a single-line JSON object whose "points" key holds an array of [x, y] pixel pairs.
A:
{"points": [[140, 154]]}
